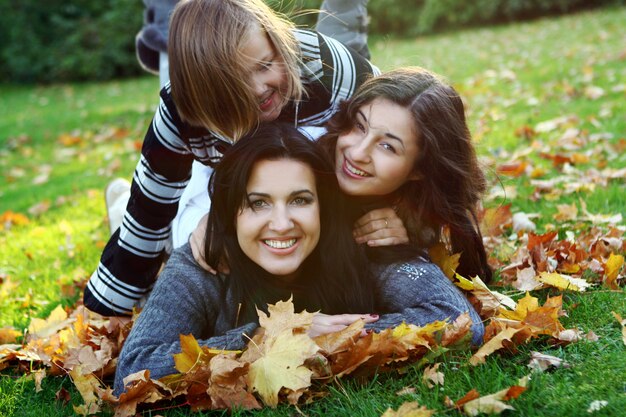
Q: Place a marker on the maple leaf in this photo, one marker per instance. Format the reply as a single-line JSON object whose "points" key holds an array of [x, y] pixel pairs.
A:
{"points": [[333, 343], [473, 404], [191, 354], [612, 268], [283, 317], [562, 282], [541, 362], [432, 376], [281, 365], [492, 345], [494, 220], [42, 328], [409, 409], [9, 335], [227, 384], [87, 385], [447, 262], [140, 389]]}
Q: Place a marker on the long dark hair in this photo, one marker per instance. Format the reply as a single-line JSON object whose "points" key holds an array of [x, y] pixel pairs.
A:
{"points": [[451, 180], [335, 276]]}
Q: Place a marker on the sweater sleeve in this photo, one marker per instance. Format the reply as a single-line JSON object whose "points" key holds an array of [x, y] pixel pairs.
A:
{"points": [[419, 293], [185, 300], [132, 257]]}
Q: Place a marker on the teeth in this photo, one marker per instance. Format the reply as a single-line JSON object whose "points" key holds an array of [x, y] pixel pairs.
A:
{"points": [[280, 244], [356, 171]]}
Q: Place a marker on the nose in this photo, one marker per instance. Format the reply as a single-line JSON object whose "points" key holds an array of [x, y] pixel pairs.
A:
{"points": [[361, 150], [258, 85], [281, 220]]}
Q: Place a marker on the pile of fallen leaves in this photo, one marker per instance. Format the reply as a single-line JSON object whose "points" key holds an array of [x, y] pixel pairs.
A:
{"points": [[281, 364]]}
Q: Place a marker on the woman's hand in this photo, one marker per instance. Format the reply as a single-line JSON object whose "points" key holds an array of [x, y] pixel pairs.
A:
{"points": [[324, 323], [381, 227]]}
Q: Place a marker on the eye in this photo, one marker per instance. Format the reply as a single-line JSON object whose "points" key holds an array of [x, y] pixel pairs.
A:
{"points": [[266, 66], [257, 204], [302, 201], [388, 147], [358, 125]]}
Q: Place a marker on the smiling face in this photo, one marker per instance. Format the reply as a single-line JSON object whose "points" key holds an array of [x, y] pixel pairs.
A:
{"points": [[267, 72], [279, 226], [378, 154]]}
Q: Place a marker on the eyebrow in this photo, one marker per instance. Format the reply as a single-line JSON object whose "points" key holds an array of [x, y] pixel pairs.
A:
{"points": [[292, 194], [387, 134]]}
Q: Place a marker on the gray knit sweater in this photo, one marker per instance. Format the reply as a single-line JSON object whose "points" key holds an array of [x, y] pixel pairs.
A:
{"points": [[186, 299]]}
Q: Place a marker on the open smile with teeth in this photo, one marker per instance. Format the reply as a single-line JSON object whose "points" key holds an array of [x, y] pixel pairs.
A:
{"points": [[355, 170], [280, 244]]}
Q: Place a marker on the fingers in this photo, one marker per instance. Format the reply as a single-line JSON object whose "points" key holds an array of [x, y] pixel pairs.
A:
{"points": [[385, 237], [377, 214], [342, 319]]}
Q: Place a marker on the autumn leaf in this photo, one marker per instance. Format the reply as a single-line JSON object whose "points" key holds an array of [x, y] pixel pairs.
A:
{"points": [[332, 343], [191, 354], [612, 267], [563, 282], [409, 409], [541, 362], [283, 317], [492, 345], [432, 376], [227, 384], [494, 220], [42, 328], [473, 404], [9, 218], [87, 385], [9, 335], [281, 365], [140, 389], [448, 263]]}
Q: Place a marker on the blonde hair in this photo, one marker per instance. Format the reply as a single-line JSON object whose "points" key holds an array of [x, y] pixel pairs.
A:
{"points": [[208, 80]]}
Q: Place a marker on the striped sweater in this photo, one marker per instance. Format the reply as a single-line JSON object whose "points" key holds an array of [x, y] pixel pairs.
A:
{"points": [[133, 256]]}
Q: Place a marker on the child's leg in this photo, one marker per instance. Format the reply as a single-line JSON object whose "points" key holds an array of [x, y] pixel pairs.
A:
{"points": [[346, 21]]}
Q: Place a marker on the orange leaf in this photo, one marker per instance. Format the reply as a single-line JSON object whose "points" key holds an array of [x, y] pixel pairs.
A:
{"points": [[492, 345], [512, 169], [494, 220]]}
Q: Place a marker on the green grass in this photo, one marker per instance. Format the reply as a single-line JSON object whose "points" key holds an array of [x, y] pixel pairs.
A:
{"points": [[510, 76]]}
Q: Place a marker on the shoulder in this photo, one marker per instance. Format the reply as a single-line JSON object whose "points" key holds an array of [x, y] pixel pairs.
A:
{"points": [[415, 269]]}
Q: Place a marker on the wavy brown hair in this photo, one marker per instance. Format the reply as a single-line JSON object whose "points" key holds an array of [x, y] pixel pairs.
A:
{"points": [[207, 78], [451, 181]]}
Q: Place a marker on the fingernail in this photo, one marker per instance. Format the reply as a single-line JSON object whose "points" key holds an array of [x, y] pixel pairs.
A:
{"points": [[374, 316], [369, 331]]}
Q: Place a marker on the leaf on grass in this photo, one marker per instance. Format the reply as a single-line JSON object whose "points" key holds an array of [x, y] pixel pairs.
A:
{"points": [[42, 328], [9, 335], [87, 385], [140, 389], [492, 345], [432, 376], [494, 403], [494, 220], [281, 365], [541, 362], [526, 280], [563, 282], [10, 218], [410, 409], [612, 267]]}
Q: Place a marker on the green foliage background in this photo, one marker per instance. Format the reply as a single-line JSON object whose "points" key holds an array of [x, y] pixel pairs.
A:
{"points": [[59, 41]]}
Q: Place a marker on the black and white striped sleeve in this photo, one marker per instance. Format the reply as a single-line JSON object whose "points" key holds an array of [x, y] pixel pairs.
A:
{"points": [[133, 256]]}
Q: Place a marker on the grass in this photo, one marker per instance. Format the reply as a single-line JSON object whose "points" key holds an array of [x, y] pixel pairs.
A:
{"points": [[61, 144]]}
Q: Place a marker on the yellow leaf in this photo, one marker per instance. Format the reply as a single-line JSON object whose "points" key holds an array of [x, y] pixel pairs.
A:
{"points": [[87, 385], [524, 305], [623, 323], [410, 409], [283, 317], [563, 282], [463, 283], [492, 345], [612, 268], [9, 335], [440, 256], [191, 354], [281, 365], [42, 328]]}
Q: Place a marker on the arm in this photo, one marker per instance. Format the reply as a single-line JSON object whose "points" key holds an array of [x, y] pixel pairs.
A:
{"points": [[417, 292], [133, 255], [185, 300]]}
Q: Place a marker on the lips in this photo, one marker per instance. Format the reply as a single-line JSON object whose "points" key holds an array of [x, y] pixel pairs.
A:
{"points": [[354, 172], [281, 246], [266, 103]]}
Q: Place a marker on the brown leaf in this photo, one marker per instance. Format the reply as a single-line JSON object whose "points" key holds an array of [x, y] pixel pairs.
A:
{"points": [[432, 376], [494, 220], [542, 362], [140, 389], [410, 409], [227, 384], [492, 345]]}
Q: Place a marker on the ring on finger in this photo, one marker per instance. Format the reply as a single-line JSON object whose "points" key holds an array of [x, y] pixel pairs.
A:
{"points": [[386, 223]]}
